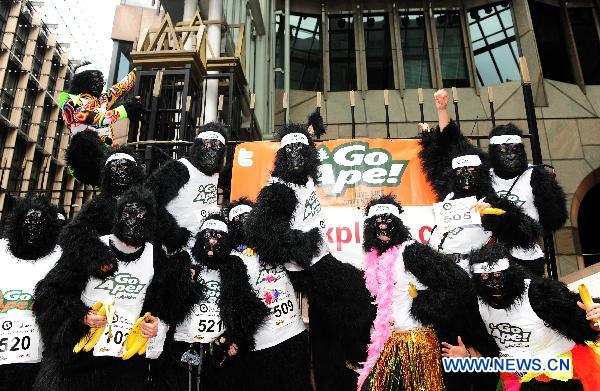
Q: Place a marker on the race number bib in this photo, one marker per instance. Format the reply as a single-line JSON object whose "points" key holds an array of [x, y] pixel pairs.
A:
{"points": [[206, 324], [276, 291], [19, 340], [111, 342], [452, 214]]}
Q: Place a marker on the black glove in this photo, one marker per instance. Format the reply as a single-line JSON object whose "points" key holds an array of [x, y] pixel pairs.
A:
{"points": [[134, 107]]}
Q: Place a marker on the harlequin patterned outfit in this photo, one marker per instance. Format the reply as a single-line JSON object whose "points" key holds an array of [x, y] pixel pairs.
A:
{"points": [[86, 112]]}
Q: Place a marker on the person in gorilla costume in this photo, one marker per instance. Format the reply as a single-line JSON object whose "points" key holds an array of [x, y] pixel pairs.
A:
{"points": [[27, 253], [531, 187], [530, 316], [186, 189], [81, 237], [315, 125], [420, 295], [286, 226], [457, 169], [223, 321], [88, 115], [140, 278], [282, 340]]}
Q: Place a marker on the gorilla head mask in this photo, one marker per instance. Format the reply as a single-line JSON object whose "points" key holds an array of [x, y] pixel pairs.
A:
{"points": [[315, 125], [32, 228], [297, 158], [507, 152], [497, 282], [239, 211], [87, 80], [470, 172], [135, 217], [207, 153], [120, 172], [213, 242], [383, 228]]}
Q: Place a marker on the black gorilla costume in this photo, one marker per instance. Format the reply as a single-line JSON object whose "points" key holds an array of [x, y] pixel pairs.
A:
{"points": [[532, 188], [541, 313], [286, 225], [80, 237], [439, 303], [280, 359], [228, 313], [514, 228], [27, 253], [315, 125], [144, 279], [186, 189]]}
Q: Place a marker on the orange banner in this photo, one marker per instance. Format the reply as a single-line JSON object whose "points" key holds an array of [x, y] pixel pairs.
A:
{"points": [[351, 173]]}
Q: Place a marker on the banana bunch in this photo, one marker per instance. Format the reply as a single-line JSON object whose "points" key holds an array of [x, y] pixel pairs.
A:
{"points": [[135, 343], [588, 301], [88, 341], [493, 211]]}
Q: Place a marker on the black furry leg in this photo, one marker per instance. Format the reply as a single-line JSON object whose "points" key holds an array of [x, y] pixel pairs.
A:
{"points": [[534, 266], [555, 385], [282, 367], [18, 377], [86, 154], [169, 374]]}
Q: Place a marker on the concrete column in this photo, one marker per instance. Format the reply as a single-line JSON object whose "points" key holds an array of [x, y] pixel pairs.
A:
{"points": [[189, 10], [215, 12], [286, 50]]}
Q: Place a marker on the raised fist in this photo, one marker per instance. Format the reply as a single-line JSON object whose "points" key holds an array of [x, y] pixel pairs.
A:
{"points": [[423, 127], [441, 99]]}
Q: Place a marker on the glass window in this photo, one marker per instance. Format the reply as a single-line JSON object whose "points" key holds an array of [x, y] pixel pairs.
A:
{"points": [[549, 36], [378, 48], [415, 54], [123, 61], [305, 53], [586, 40], [494, 44], [28, 106], [342, 57], [20, 40], [452, 51], [15, 176], [9, 89]]}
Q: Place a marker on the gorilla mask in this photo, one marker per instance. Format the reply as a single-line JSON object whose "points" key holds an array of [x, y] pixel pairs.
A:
{"points": [[238, 214], [121, 171], [383, 228], [87, 82], [213, 243], [135, 217], [470, 176], [497, 282], [207, 153], [507, 152], [296, 159], [32, 228]]}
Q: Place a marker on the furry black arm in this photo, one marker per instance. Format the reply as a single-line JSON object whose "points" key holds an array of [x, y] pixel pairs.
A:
{"points": [[58, 308], [241, 310], [514, 228], [169, 233], [556, 305], [549, 199], [268, 228], [172, 293], [165, 182]]}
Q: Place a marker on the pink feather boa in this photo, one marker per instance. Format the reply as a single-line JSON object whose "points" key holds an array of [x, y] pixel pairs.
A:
{"points": [[379, 280]]}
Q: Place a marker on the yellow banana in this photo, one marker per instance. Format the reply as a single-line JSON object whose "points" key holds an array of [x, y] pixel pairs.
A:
{"points": [[586, 298], [493, 211], [87, 342], [88, 336], [135, 343]]}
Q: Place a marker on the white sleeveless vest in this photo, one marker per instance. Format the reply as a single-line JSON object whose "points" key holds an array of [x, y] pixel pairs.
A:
{"points": [[274, 288], [128, 287], [308, 214], [190, 205], [18, 328], [521, 195], [403, 320], [461, 240], [519, 332], [204, 324]]}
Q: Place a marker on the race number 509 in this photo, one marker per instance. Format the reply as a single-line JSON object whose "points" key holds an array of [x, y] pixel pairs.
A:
{"points": [[283, 308]]}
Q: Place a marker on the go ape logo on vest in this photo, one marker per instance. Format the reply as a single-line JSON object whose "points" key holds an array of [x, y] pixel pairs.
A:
{"points": [[121, 283], [15, 300], [354, 163], [207, 194], [507, 334]]}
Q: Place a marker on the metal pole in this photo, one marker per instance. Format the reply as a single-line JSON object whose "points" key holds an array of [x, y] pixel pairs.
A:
{"points": [[455, 100], [536, 152], [386, 102], [491, 101], [286, 50], [352, 104]]}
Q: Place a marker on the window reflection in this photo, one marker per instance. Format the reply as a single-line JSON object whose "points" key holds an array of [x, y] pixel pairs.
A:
{"points": [[305, 53], [586, 40], [342, 56], [451, 47], [380, 68], [494, 44], [415, 54]]}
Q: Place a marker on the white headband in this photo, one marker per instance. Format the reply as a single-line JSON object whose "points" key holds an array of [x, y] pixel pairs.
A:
{"points": [[506, 139], [210, 135], [466, 161], [214, 225], [239, 210], [292, 138], [87, 67], [119, 156], [60, 216], [381, 209], [487, 267]]}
